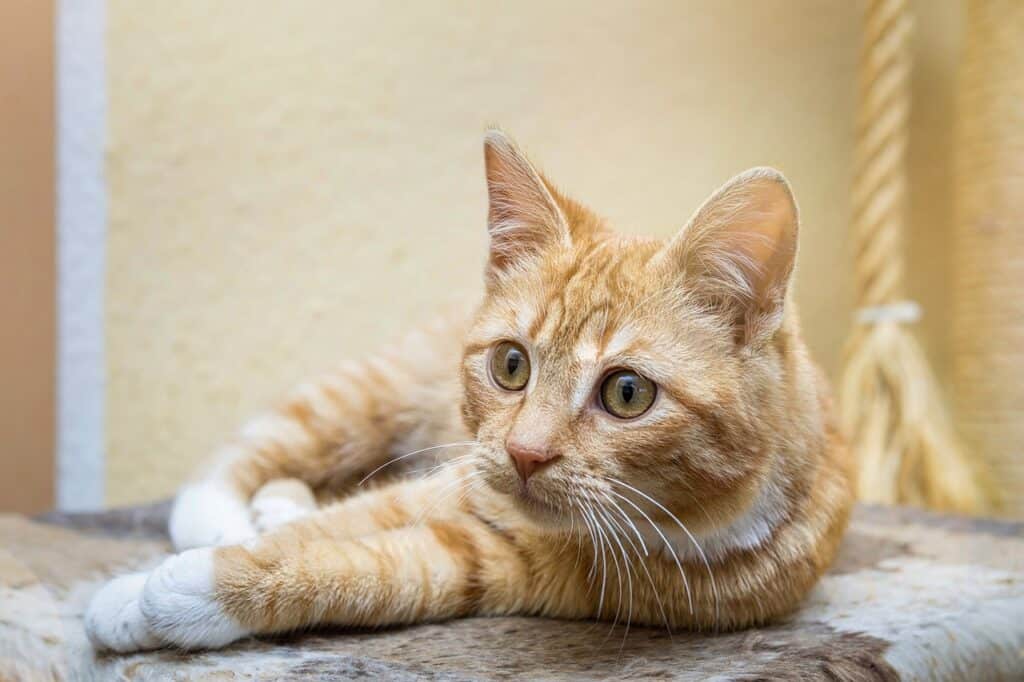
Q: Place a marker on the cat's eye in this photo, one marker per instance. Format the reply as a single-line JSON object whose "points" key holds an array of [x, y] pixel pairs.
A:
{"points": [[510, 366], [626, 394]]}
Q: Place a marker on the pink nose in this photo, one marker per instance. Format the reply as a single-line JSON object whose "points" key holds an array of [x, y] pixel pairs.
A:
{"points": [[529, 460]]}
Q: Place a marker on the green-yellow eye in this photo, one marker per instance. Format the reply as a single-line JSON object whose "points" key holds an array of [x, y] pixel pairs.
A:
{"points": [[510, 366], [626, 394]]}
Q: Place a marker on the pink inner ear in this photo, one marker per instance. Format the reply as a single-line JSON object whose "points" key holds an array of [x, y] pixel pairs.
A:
{"points": [[523, 216], [770, 218]]}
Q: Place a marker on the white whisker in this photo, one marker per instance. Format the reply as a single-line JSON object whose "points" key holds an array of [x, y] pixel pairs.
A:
{"points": [[643, 565], [415, 452], [570, 536], [668, 545], [700, 550], [629, 572], [453, 462], [604, 565], [593, 543], [639, 535], [615, 560], [447, 490]]}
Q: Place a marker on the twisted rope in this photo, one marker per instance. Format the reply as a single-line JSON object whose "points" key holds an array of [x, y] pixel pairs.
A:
{"points": [[890, 402], [879, 185]]}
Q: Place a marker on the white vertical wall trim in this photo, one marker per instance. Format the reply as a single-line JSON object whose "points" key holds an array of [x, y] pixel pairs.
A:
{"points": [[81, 252]]}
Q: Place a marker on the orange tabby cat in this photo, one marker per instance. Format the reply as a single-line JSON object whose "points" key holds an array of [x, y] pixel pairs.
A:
{"points": [[641, 434]]}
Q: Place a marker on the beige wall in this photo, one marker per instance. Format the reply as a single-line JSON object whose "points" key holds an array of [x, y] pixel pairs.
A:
{"points": [[291, 183]]}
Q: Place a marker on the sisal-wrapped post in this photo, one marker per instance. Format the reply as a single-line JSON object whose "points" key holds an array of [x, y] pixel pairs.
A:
{"points": [[890, 403], [988, 313]]}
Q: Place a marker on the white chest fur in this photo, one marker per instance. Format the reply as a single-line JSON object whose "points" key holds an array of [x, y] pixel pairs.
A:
{"points": [[750, 530]]}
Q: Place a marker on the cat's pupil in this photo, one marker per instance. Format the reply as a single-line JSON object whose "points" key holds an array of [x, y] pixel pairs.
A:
{"points": [[627, 390], [510, 366]]}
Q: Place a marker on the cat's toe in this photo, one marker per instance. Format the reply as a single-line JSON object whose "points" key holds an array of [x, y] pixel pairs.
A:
{"points": [[114, 619], [272, 513], [281, 502], [180, 603]]}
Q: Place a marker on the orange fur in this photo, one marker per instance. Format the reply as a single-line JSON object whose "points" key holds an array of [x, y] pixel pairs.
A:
{"points": [[717, 508]]}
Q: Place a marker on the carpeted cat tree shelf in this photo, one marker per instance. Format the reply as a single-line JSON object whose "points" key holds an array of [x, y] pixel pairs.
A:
{"points": [[913, 596]]}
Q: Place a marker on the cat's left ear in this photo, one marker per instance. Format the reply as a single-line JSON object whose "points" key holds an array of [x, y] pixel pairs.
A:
{"points": [[524, 220], [738, 250]]}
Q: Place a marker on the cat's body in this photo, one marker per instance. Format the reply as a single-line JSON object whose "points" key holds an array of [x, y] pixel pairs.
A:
{"points": [[638, 434]]}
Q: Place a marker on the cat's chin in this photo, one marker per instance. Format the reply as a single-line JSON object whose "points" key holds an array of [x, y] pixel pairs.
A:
{"points": [[539, 508], [531, 499]]}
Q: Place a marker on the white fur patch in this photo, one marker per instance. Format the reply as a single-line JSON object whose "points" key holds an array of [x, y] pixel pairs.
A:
{"points": [[180, 604], [587, 353], [622, 339], [270, 512], [585, 381], [114, 620], [526, 315], [750, 530], [208, 514]]}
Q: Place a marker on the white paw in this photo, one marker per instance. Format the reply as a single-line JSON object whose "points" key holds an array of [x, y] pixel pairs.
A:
{"points": [[280, 502], [180, 604], [271, 513], [114, 620], [206, 515]]}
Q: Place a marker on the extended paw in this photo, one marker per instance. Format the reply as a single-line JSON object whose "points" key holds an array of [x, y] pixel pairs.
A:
{"points": [[280, 502], [180, 603], [114, 620], [175, 604]]}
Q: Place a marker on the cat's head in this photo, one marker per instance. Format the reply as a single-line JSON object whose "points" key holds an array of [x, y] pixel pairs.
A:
{"points": [[599, 361]]}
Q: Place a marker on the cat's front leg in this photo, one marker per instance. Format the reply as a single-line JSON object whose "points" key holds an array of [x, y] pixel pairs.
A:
{"points": [[307, 574], [128, 613], [207, 598]]}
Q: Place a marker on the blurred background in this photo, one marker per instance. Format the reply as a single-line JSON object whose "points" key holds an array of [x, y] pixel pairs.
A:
{"points": [[202, 203]]}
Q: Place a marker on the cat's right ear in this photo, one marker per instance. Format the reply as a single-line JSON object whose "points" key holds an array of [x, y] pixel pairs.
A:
{"points": [[523, 219]]}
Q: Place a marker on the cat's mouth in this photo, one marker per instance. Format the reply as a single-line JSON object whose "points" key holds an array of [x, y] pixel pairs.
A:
{"points": [[532, 497], [529, 497]]}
